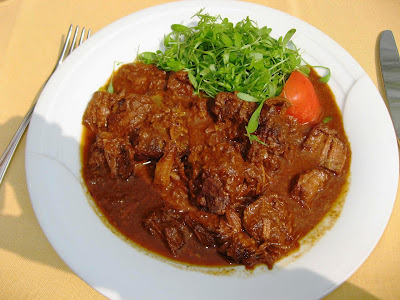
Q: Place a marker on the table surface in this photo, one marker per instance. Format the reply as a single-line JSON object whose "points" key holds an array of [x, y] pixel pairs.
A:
{"points": [[31, 34]]}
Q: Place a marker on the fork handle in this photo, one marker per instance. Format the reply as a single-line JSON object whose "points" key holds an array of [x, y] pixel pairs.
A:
{"points": [[8, 154]]}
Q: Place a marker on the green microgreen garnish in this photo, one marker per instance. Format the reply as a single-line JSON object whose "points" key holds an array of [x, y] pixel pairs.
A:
{"points": [[221, 56], [323, 79], [304, 69], [110, 87], [327, 119]]}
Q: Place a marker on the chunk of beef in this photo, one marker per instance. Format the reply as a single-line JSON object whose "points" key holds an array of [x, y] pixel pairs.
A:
{"points": [[204, 226], [98, 110], [176, 196], [215, 198], [308, 185], [151, 139], [233, 220], [180, 90], [97, 163], [276, 130], [268, 163], [149, 143], [278, 134], [273, 107], [161, 127], [268, 253], [129, 113], [223, 132], [170, 180], [233, 241], [227, 106], [331, 150], [139, 78], [258, 153], [255, 179], [205, 237], [239, 247], [174, 238], [336, 155], [275, 136], [318, 138], [169, 225], [268, 219], [218, 173], [118, 153]]}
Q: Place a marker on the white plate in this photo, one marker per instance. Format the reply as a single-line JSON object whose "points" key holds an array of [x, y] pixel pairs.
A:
{"points": [[115, 268]]}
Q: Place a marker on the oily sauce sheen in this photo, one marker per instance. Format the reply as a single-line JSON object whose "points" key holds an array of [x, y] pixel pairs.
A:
{"points": [[175, 173]]}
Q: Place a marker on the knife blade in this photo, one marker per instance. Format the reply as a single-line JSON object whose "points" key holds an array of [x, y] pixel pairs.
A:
{"points": [[390, 69]]}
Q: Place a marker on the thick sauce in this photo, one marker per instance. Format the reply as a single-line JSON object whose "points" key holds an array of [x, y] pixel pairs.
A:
{"points": [[174, 173]]}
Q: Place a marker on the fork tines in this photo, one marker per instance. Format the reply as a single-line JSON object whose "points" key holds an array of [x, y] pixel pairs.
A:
{"points": [[73, 44]]}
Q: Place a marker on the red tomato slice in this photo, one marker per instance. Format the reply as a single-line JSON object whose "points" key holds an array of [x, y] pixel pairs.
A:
{"points": [[300, 92]]}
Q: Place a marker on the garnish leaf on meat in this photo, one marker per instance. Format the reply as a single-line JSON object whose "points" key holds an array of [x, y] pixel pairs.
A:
{"points": [[247, 97], [253, 124]]}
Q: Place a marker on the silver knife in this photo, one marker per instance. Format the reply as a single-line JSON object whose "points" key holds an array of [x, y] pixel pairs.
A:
{"points": [[390, 68]]}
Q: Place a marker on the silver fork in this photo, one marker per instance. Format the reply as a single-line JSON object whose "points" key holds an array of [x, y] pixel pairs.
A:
{"points": [[67, 49]]}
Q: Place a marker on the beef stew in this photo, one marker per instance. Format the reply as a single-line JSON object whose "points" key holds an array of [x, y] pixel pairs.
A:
{"points": [[174, 171]]}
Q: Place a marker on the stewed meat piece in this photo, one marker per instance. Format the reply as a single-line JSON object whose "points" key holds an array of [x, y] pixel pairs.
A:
{"points": [[213, 196], [219, 177], [234, 242], [227, 106], [139, 78], [169, 225], [128, 114], [309, 184], [98, 110], [269, 220], [334, 156], [204, 226], [277, 130], [118, 154], [324, 142]]}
